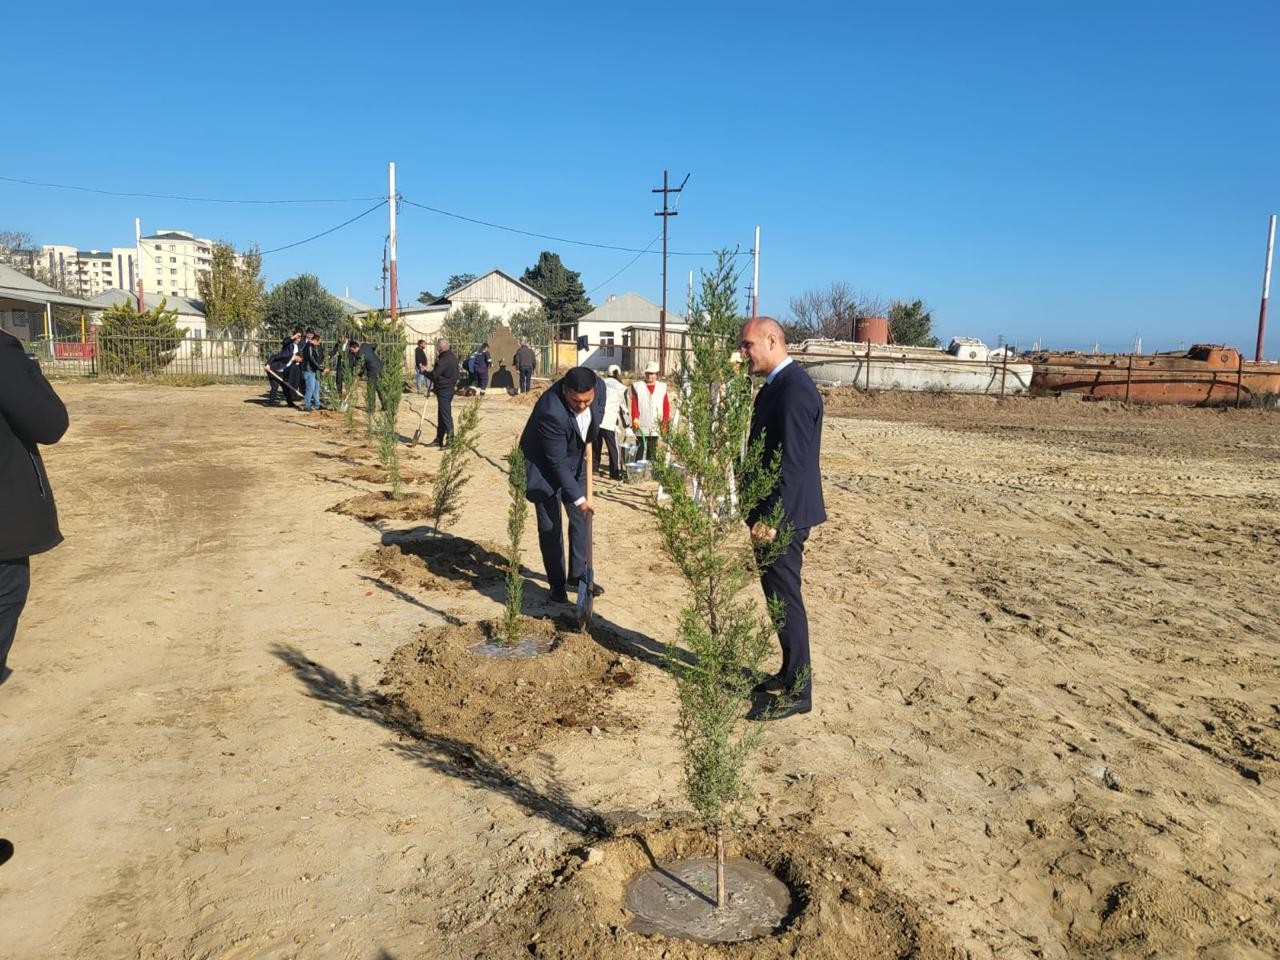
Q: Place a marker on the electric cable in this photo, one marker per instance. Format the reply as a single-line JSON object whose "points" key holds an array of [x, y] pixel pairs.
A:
{"points": [[630, 264], [547, 236], [325, 233], [165, 196]]}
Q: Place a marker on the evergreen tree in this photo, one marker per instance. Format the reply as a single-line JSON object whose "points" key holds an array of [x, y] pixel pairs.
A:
{"points": [[301, 302], [566, 296], [132, 343], [702, 522]]}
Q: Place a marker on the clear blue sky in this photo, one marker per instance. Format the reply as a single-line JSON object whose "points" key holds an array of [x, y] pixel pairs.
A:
{"points": [[1073, 172]]}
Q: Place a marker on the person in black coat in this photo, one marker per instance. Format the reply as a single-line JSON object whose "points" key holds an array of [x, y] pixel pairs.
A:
{"points": [[421, 368], [525, 361], [293, 369], [30, 413], [788, 413], [444, 381], [564, 421], [364, 356]]}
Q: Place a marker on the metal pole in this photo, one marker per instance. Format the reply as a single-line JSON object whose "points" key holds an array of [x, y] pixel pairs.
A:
{"points": [[1004, 367], [1266, 289], [868, 365], [755, 279], [1128, 379], [1240, 372], [137, 242], [391, 197]]}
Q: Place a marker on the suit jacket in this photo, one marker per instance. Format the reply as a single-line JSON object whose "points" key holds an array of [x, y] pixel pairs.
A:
{"points": [[444, 375], [788, 412], [30, 413], [372, 362], [553, 447], [419, 360]]}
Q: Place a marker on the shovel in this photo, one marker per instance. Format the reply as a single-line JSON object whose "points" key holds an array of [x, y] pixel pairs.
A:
{"points": [[417, 434], [284, 381], [587, 582]]}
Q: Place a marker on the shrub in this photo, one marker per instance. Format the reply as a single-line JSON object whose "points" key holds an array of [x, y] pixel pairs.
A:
{"points": [[133, 343]]}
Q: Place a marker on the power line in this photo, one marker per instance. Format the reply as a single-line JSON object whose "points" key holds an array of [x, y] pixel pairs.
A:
{"points": [[325, 233], [547, 236], [630, 264], [166, 196]]}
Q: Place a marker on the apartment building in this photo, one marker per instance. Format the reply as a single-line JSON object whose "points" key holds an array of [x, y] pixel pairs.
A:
{"points": [[172, 260], [87, 273]]}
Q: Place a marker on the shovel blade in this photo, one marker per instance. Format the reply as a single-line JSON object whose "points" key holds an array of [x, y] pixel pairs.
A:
{"points": [[583, 608], [417, 435]]}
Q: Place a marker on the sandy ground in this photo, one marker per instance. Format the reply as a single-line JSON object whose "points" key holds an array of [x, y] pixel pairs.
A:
{"points": [[1047, 716]]}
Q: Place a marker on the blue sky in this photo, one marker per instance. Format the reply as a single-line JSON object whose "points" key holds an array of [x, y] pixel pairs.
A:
{"points": [[1071, 172]]}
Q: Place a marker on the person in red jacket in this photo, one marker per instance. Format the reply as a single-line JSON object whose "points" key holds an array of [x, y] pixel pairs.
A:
{"points": [[650, 412]]}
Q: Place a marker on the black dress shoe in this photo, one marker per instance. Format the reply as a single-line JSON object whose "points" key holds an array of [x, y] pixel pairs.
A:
{"points": [[770, 684], [559, 596], [596, 589], [6, 850], [779, 708]]}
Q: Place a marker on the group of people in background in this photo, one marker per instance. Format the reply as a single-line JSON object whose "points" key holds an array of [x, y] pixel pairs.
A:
{"points": [[294, 371]]}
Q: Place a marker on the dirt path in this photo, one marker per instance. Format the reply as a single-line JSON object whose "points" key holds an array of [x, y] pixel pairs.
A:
{"points": [[1045, 645]]}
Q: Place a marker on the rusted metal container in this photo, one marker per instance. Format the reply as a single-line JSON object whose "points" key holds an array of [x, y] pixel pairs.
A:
{"points": [[1207, 373], [874, 330]]}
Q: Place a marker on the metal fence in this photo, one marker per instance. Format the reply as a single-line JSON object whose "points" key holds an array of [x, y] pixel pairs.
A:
{"points": [[167, 358]]}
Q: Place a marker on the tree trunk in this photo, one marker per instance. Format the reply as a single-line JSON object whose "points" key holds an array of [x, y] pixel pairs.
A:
{"points": [[719, 866]]}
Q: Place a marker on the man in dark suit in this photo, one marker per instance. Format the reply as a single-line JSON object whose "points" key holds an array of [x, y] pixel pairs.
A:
{"points": [[444, 381], [366, 355], [788, 413], [563, 422], [30, 414]]}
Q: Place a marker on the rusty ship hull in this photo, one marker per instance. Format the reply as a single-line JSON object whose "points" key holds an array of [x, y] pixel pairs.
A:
{"points": [[1205, 374]]}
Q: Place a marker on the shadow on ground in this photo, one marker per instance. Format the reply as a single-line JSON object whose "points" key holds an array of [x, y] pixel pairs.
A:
{"points": [[444, 755]]}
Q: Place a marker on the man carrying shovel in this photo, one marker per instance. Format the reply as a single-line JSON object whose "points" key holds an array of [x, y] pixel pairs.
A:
{"points": [[560, 430]]}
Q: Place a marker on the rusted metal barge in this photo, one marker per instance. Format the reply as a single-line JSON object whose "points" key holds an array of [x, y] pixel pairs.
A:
{"points": [[1205, 374]]}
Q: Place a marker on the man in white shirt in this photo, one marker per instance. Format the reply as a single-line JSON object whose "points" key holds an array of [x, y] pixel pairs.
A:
{"points": [[562, 423]]}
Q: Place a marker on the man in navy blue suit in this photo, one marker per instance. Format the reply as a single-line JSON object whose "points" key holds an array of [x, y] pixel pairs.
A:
{"points": [[564, 422], [788, 412]]}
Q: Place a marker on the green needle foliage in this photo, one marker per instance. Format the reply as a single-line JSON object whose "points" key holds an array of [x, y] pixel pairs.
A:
{"points": [[516, 513], [703, 529], [452, 475], [391, 386]]}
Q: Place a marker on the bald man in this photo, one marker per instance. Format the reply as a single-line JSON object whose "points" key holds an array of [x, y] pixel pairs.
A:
{"points": [[788, 413]]}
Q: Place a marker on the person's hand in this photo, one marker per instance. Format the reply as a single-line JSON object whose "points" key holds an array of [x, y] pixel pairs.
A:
{"points": [[587, 506], [762, 533]]}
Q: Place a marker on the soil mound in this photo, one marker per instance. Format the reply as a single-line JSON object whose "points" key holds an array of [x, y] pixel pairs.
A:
{"points": [[378, 474], [437, 687], [379, 505], [840, 909]]}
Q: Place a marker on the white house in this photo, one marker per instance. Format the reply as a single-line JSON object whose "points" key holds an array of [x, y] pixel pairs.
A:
{"points": [[26, 305], [500, 294], [608, 329]]}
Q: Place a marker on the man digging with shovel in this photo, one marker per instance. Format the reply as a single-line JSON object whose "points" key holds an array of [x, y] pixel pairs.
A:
{"points": [[560, 430]]}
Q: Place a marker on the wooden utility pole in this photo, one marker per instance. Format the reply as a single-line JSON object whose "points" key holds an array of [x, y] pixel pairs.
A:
{"points": [[1266, 289], [665, 213], [391, 202]]}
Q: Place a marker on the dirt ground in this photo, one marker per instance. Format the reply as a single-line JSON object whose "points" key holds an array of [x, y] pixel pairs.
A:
{"points": [[242, 723]]}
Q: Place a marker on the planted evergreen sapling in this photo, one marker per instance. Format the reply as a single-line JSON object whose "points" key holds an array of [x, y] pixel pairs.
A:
{"points": [[702, 522], [452, 475], [512, 621]]}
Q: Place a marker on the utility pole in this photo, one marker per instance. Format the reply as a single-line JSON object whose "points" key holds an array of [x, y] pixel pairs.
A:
{"points": [[392, 204], [755, 282], [383, 286], [1266, 289], [665, 213], [137, 242]]}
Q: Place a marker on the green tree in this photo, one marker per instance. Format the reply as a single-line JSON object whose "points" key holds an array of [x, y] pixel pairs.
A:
{"points": [[302, 302], [426, 296], [233, 292], [566, 296], [516, 513], [532, 324], [910, 324], [452, 475], [455, 281], [703, 530], [467, 327], [132, 343]]}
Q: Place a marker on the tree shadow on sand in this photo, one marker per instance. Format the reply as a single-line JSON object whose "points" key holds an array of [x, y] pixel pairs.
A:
{"points": [[475, 565], [440, 754]]}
